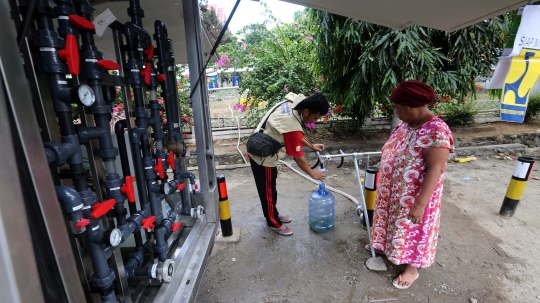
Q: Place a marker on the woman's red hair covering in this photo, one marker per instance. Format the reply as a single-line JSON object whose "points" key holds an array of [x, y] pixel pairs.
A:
{"points": [[413, 93]]}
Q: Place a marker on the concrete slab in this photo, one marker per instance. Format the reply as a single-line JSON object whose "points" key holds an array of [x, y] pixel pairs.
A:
{"points": [[480, 255], [234, 238]]}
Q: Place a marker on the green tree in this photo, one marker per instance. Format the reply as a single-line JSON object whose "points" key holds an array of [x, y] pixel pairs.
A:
{"points": [[362, 62], [213, 26], [254, 34], [279, 60]]}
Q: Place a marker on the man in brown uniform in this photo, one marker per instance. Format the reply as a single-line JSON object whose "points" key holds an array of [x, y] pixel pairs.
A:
{"points": [[285, 125]]}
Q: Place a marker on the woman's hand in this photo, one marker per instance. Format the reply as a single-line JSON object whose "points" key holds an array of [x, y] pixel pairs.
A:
{"points": [[318, 147], [416, 213]]}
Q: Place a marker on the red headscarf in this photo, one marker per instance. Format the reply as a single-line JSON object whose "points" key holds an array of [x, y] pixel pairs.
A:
{"points": [[413, 93]]}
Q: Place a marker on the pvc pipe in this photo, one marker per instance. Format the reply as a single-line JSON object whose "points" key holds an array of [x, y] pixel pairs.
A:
{"points": [[58, 153], [366, 218], [134, 138], [51, 157], [239, 136], [161, 245], [72, 205], [119, 130], [139, 39], [355, 155]]}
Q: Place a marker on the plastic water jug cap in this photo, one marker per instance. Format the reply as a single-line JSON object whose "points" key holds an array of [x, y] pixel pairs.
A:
{"points": [[322, 189]]}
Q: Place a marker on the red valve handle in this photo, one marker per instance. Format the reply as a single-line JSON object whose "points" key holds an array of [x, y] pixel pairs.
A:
{"points": [[159, 168], [149, 52], [176, 226], [81, 22], [161, 77], [102, 208], [147, 73], [128, 189], [180, 186], [148, 222], [170, 160], [82, 223], [70, 55], [108, 65]]}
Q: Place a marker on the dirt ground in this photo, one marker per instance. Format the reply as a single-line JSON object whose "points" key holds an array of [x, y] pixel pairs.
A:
{"points": [[481, 256]]}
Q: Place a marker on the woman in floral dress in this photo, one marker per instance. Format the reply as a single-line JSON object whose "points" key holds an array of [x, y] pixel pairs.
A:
{"points": [[407, 210]]}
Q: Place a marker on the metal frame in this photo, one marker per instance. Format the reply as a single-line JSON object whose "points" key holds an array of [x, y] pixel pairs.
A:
{"points": [[21, 280], [201, 114], [40, 184]]}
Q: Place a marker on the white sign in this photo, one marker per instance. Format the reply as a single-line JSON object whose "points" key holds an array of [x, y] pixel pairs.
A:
{"points": [[497, 81], [528, 34], [103, 21]]}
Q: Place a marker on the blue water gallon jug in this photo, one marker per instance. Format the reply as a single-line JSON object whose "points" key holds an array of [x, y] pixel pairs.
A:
{"points": [[321, 210]]}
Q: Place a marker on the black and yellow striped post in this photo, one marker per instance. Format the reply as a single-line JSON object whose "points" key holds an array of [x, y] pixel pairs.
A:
{"points": [[224, 210], [522, 171], [370, 190]]}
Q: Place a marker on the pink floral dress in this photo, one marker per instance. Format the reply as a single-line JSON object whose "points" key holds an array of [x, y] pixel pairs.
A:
{"points": [[401, 177]]}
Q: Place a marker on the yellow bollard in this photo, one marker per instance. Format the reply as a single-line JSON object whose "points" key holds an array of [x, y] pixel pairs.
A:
{"points": [[521, 174], [370, 191], [224, 210]]}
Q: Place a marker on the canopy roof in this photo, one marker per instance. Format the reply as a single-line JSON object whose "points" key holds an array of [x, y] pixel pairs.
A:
{"points": [[448, 15]]}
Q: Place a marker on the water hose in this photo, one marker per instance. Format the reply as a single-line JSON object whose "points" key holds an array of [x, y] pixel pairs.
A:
{"points": [[238, 127], [337, 191]]}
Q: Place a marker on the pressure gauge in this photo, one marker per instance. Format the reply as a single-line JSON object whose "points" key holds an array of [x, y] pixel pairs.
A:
{"points": [[113, 237], [86, 95]]}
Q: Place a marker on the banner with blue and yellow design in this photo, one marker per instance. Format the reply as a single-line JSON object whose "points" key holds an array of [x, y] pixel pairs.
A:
{"points": [[518, 68], [522, 76]]}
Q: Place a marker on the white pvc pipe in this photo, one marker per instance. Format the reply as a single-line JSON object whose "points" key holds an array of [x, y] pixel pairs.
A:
{"points": [[355, 155], [238, 126], [366, 218]]}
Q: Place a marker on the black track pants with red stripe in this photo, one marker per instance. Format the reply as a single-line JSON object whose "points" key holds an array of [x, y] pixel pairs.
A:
{"points": [[265, 179]]}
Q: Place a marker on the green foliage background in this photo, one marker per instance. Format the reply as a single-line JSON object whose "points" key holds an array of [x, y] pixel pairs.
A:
{"points": [[363, 62], [278, 60], [357, 64]]}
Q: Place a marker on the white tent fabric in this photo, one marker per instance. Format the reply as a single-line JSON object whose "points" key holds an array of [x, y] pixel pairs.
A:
{"points": [[449, 15]]}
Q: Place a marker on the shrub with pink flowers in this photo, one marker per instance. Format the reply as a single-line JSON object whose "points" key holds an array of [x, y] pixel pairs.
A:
{"points": [[239, 107], [223, 62], [280, 60]]}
